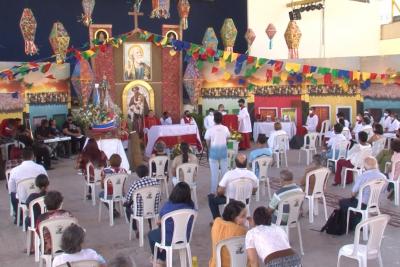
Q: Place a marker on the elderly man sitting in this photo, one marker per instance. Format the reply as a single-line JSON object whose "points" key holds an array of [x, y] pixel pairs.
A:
{"points": [[274, 134], [225, 188]]}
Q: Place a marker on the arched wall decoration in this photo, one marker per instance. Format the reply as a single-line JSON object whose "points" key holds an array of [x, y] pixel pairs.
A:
{"points": [[127, 94]]}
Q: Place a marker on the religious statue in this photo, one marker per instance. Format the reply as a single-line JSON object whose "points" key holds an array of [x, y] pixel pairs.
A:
{"points": [[137, 69], [138, 106]]}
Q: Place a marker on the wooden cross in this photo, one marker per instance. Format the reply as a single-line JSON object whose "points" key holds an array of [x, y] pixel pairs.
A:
{"points": [[135, 15]]}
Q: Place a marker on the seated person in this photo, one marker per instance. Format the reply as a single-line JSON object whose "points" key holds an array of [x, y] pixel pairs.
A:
{"points": [[150, 120], [187, 118], [54, 131], [289, 187], [358, 125], [372, 173], [180, 198], [317, 163], [366, 126], [353, 158], [8, 128], [385, 120], [260, 150], [346, 131], [334, 140], [225, 188], [165, 119], [160, 150], [395, 168], [221, 109], [77, 138], [53, 201], [71, 243], [269, 242], [143, 181], [232, 224], [339, 116], [278, 131], [393, 126], [42, 133], [185, 157], [378, 133]]}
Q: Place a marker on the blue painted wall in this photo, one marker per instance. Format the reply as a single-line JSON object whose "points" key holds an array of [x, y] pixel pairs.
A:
{"points": [[381, 104], [47, 110]]}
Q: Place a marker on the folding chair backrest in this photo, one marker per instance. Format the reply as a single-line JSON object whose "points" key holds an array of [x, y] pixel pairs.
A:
{"points": [[117, 181], [341, 149], [263, 163], [182, 219], [96, 172], [237, 251], [231, 158], [188, 171], [377, 225], [375, 189], [56, 228], [88, 263], [325, 126], [378, 146], [38, 202], [160, 162], [310, 140], [294, 202], [346, 133], [149, 200], [243, 189], [364, 153], [281, 142], [26, 187], [321, 178]]}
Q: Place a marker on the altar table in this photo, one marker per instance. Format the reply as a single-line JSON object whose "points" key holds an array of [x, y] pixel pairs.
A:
{"points": [[172, 135], [268, 127]]}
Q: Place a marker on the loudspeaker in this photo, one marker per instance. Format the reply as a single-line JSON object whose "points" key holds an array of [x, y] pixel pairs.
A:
{"points": [[295, 14]]}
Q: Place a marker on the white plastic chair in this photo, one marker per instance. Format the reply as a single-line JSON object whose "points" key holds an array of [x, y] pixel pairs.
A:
{"points": [[180, 241], [294, 202], [231, 159], [92, 184], [7, 173], [396, 185], [378, 146], [28, 187], [243, 190], [38, 202], [375, 189], [321, 179], [237, 251], [189, 172], [117, 181], [339, 151], [149, 198], [263, 163], [280, 147], [325, 128], [358, 168], [56, 228], [160, 162], [86, 263], [310, 146], [372, 250]]}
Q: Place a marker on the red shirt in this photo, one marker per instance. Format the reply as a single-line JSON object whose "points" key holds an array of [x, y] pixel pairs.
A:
{"points": [[4, 130], [151, 121]]}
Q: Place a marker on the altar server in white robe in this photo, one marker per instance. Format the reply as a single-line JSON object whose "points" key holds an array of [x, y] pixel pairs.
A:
{"points": [[244, 125], [209, 119], [312, 121], [386, 120]]}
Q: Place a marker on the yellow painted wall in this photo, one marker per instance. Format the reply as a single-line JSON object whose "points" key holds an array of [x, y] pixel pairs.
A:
{"points": [[335, 101], [10, 115]]}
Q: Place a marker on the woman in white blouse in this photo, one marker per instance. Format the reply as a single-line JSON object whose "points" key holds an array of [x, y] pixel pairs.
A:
{"points": [[269, 242]]}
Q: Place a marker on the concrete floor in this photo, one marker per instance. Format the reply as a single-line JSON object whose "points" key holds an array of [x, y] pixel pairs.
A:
{"points": [[320, 249]]}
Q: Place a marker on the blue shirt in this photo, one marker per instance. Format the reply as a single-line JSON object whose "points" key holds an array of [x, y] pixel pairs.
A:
{"points": [[364, 178]]}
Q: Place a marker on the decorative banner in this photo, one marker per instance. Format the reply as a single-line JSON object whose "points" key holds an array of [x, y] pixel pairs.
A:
{"points": [[47, 98], [210, 39], [277, 90], [292, 37], [82, 80], [270, 31], [191, 81], [183, 11], [317, 90], [224, 92], [86, 17], [250, 36], [59, 40], [28, 28], [229, 34], [160, 9]]}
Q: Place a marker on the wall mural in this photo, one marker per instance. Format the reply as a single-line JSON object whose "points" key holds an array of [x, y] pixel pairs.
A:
{"points": [[277, 90], [47, 98], [224, 92]]}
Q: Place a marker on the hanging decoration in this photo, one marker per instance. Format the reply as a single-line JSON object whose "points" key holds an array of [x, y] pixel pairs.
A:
{"points": [[192, 81], [28, 28], [82, 80], [160, 9], [228, 34], [292, 38], [59, 40], [137, 5], [250, 36], [270, 31], [183, 11], [210, 39], [86, 17]]}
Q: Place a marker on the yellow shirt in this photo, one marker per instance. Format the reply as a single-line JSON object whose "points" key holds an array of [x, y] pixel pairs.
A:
{"points": [[222, 230]]}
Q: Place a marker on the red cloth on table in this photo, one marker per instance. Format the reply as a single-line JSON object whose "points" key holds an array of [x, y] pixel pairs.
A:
{"points": [[245, 142], [231, 121], [343, 163]]}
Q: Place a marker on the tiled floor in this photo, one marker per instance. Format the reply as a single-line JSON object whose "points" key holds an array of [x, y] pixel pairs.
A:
{"points": [[320, 249]]}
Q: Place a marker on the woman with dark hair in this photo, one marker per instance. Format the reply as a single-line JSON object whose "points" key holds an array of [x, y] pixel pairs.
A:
{"points": [[231, 224], [394, 172], [386, 155], [180, 198], [186, 157], [71, 244], [269, 242], [378, 133]]}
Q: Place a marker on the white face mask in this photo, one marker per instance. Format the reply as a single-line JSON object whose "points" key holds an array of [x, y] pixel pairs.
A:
{"points": [[310, 112], [385, 114], [211, 113]]}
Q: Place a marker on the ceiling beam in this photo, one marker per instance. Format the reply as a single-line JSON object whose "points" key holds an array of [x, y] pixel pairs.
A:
{"points": [[302, 2]]}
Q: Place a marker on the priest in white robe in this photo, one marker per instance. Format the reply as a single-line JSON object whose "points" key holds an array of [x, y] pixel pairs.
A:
{"points": [[209, 119], [312, 121], [244, 125]]}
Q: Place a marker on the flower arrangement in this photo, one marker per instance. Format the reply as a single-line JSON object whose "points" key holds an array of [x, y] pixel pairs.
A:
{"points": [[94, 115], [176, 151], [235, 135]]}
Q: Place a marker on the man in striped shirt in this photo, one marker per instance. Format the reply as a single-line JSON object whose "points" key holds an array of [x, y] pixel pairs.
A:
{"points": [[289, 188]]}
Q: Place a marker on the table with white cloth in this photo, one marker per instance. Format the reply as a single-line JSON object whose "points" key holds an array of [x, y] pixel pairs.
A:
{"points": [[268, 127], [172, 135], [113, 146]]}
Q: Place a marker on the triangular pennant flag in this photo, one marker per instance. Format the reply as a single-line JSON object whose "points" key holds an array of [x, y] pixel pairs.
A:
{"points": [[222, 64], [284, 76], [306, 69], [335, 73], [366, 75], [227, 76], [234, 57], [214, 70], [261, 62], [313, 69], [278, 66], [226, 55], [250, 60], [250, 87], [292, 67], [268, 74], [373, 76], [356, 75], [276, 80], [242, 81]]}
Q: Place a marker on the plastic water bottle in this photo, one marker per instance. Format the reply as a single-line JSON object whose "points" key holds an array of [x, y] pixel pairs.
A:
{"points": [[195, 262]]}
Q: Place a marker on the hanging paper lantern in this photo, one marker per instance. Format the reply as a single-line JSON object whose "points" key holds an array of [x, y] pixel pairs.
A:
{"points": [[59, 40], [250, 36], [210, 39], [183, 11], [228, 34], [82, 80], [270, 31], [160, 9], [192, 82], [292, 37], [28, 28], [88, 6]]}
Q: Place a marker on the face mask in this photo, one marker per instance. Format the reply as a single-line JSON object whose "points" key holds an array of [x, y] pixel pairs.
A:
{"points": [[211, 113], [385, 114]]}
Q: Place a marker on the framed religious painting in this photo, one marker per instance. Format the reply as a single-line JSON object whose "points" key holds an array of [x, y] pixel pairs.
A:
{"points": [[101, 35], [172, 36], [137, 61]]}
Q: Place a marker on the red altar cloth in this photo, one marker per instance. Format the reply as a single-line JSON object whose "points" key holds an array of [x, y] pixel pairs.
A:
{"points": [[231, 121]]}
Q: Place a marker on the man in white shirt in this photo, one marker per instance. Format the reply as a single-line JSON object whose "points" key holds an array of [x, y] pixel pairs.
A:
{"points": [[187, 118], [226, 188], [394, 125], [312, 121], [385, 120], [368, 114], [274, 134], [27, 169], [244, 125], [339, 116], [165, 119], [221, 109], [216, 138], [335, 139], [209, 119]]}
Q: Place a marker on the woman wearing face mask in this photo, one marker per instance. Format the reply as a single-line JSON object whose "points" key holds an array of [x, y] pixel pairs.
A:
{"points": [[358, 125]]}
